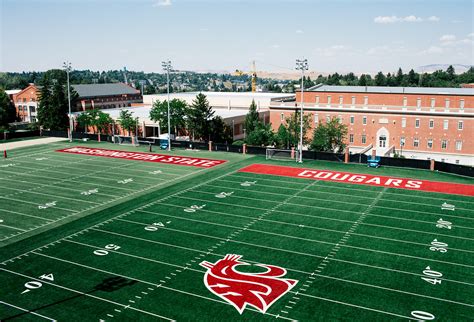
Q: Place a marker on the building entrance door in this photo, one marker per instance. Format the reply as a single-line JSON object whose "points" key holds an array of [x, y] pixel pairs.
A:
{"points": [[382, 141]]}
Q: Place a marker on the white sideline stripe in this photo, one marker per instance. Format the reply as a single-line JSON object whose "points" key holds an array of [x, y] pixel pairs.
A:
{"points": [[290, 251], [300, 238], [326, 218], [145, 282], [28, 311], [22, 214], [130, 255], [345, 202], [55, 196], [86, 294], [355, 188], [307, 273]]}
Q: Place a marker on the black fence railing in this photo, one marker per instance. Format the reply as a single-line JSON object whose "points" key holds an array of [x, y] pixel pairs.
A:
{"points": [[18, 134], [311, 155]]}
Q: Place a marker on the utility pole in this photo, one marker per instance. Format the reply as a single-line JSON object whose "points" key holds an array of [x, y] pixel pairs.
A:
{"points": [[301, 65], [67, 67], [167, 67]]}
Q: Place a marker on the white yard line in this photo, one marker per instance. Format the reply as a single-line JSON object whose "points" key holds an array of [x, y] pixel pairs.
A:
{"points": [[22, 214], [85, 294], [326, 218], [28, 311], [289, 269], [310, 240]]}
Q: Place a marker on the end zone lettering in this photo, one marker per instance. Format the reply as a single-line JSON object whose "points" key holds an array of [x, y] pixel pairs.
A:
{"points": [[149, 157], [365, 179]]}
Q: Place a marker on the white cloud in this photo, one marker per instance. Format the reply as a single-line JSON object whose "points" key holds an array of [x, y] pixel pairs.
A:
{"points": [[276, 46], [471, 35], [331, 51], [162, 3], [432, 50], [410, 18], [433, 19], [299, 31], [445, 38], [203, 29]]}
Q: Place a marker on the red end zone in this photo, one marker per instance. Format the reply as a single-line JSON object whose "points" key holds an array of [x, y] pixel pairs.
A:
{"points": [[366, 179], [149, 157]]}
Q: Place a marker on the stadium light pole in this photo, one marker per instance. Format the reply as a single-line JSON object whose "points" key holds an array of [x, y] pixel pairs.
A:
{"points": [[301, 64], [167, 66], [67, 67]]}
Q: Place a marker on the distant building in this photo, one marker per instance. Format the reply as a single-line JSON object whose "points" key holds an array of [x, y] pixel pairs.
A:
{"points": [[103, 96], [420, 123], [26, 103], [90, 96]]}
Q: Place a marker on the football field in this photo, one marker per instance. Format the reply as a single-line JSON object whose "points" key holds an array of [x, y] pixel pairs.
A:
{"points": [[92, 238]]}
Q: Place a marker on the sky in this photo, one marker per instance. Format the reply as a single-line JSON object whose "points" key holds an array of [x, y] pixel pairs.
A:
{"points": [[224, 35]]}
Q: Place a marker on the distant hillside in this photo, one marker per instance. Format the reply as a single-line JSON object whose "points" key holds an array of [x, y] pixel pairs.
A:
{"points": [[434, 67]]}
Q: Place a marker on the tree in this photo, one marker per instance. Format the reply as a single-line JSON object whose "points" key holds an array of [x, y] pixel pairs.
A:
{"points": [[399, 77], [200, 115], [451, 72], [294, 126], [127, 121], [220, 131], [380, 79], [7, 110], [84, 120], [363, 80], [282, 137], [329, 137], [262, 135], [178, 112], [251, 119], [100, 120], [59, 107], [44, 109]]}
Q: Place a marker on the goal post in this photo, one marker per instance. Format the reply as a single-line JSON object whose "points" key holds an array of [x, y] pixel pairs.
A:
{"points": [[125, 140], [282, 155]]}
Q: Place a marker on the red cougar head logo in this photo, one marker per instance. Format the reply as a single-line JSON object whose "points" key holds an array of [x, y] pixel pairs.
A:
{"points": [[259, 290]]}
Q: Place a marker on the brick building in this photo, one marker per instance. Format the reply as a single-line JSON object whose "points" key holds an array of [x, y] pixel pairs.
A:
{"points": [[26, 103], [90, 96], [422, 123]]}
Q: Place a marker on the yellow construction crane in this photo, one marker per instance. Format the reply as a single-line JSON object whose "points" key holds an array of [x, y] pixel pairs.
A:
{"points": [[253, 74]]}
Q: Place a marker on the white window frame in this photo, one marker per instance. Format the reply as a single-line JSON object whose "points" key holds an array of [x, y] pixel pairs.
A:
{"points": [[416, 142], [329, 100], [405, 101], [341, 100], [317, 99], [364, 120], [460, 125], [316, 118], [444, 144], [431, 124], [282, 117], [353, 100], [351, 138], [417, 123], [363, 139], [458, 145], [461, 104], [445, 124], [352, 119], [366, 100], [429, 143], [404, 122]]}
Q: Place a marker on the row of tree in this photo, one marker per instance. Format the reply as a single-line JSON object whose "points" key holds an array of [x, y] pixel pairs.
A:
{"points": [[327, 137], [197, 120], [7, 111]]}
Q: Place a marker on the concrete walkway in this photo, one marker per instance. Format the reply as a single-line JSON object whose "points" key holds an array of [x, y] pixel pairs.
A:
{"points": [[26, 143]]}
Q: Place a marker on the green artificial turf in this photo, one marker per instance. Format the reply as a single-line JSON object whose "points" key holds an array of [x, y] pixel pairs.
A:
{"points": [[358, 252]]}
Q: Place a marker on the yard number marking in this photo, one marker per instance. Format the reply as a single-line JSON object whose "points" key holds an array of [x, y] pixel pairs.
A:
{"points": [[103, 252], [41, 159], [433, 274], [125, 181], [7, 165], [447, 206], [444, 224], [224, 194], [1, 220], [155, 226], [156, 172], [47, 205], [32, 285], [438, 246], [422, 316], [90, 192], [194, 208], [248, 183]]}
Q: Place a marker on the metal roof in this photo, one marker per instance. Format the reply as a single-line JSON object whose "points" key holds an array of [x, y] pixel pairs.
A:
{"points": [[94, 90], [392, 90]]}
